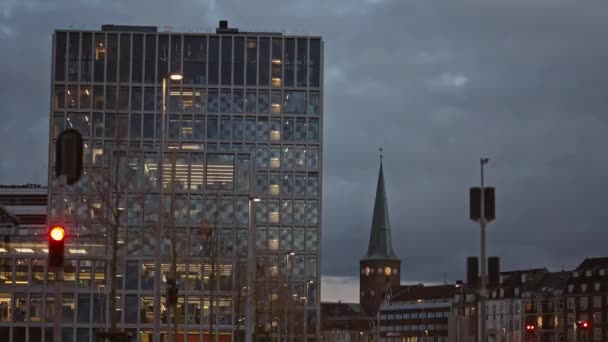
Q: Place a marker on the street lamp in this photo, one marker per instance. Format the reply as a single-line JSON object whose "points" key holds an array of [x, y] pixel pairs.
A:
{"points": [[160, 226], [461, 286], [249, 312], [287, 289]]}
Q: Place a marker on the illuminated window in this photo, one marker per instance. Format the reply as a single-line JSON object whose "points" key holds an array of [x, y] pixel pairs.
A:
{"points": [[220, 171]]}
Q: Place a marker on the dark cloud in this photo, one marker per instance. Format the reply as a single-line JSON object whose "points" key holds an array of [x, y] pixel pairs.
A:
{"points": [[437, 84]]}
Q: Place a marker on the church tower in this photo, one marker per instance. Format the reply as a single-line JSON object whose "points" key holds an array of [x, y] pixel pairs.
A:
{"points": [[380, 267]]}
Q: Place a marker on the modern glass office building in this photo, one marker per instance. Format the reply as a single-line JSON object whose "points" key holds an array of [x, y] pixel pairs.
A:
{"points": [[244, 121]]}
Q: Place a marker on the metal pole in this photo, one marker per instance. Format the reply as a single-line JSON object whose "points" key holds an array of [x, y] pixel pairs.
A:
{"points": [[59, 271], [159, 227], [483, 290], [249, 312], [287, 296]]}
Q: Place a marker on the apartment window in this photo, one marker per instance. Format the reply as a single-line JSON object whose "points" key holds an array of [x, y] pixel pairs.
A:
{"points": [[597, 301], [583, 303]]}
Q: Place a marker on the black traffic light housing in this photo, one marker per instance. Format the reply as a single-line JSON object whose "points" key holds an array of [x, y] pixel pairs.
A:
{"points": [[56, 246], [68, 155], [489, 203]]}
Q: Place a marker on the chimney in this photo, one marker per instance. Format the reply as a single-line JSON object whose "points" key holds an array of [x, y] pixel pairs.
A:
{"points": [[493, 272], [472, 271]]}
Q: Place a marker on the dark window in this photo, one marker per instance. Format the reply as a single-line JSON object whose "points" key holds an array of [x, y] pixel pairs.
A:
{"points": [[112, 52], [110, 97], [136, 95], [264, 61], [125, 57], [252, 58], [176, 55], [150, 58], [73, 56], [84, 308], [163, 56], [195, 56], [314, 64], [289, 60], [239, 60], [226, 60], [135, 126], [301, 62], [86, 61], [149, 99], [214, 60], [149, 126], [60, 41], [138, 56], [212, 130], [100, 57], [123, 98]]}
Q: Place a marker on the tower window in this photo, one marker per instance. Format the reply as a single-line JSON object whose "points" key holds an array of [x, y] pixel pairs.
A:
{"points": [[380, 270], [387, 270]]}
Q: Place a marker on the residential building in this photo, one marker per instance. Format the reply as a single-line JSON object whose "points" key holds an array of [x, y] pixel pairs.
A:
{"points": [[586, 298], [244, 122], [346, 322]]}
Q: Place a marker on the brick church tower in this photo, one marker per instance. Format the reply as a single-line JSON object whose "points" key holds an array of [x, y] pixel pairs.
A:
{"points": [[380, 267]]}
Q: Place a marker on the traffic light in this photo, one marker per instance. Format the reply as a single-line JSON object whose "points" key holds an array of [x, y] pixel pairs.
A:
{"points": [[171, 292], [56, 246], [583, 325], [530, 328]]}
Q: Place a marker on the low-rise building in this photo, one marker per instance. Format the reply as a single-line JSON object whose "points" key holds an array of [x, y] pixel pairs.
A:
{"points": [[417, 313]]}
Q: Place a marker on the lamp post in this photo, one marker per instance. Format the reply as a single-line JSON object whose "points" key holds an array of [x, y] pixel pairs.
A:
{"points": [[483, 291], [249, 311], [461, 286], [287, 290], [160, 226]]}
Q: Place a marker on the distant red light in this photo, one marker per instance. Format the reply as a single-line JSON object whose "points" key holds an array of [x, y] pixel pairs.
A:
{"points": [[57, 233], [585, 324]]}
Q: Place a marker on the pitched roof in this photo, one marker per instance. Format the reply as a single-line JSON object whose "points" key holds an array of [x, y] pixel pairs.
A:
{"points": [[592, 263], [380, 243]]}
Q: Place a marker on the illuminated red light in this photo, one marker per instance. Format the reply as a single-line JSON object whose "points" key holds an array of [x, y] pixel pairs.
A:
{"points": [[585, 324], [57, 233]]}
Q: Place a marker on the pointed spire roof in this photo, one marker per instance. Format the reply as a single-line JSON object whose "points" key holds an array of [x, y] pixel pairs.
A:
{"points": [[380, 243]]}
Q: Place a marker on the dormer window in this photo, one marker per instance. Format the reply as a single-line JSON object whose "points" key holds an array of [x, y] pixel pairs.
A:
{"points": [[588, 273], [523, 278], [603, 272], [575, 274]]}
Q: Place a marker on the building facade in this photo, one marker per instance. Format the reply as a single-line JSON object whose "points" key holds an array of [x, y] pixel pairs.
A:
{"points": [[243, 122], [418, 313]]}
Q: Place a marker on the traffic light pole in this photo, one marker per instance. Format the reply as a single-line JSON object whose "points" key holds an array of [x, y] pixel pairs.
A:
{"points": [[59, 270], [483, 290]]}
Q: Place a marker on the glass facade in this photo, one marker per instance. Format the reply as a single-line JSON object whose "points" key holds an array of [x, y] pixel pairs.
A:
{"points": [[245, 120]]}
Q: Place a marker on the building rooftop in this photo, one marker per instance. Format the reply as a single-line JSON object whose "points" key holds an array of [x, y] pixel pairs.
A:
{"points": [[425, 293]]}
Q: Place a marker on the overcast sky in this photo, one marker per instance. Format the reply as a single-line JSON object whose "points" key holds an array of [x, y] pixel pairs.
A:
{"points": [[437, 84]]}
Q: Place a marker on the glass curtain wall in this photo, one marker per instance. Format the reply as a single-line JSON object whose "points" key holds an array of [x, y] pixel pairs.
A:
{"points": [[246, 119]]}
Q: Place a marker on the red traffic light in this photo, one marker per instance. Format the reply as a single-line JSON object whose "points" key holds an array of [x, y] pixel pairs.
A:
{"points": [[530, 327], [57, 233], [583, 325]]}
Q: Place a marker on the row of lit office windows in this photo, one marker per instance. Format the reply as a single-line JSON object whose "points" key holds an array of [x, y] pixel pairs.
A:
{"points": [[188, 127], [187, 100]]}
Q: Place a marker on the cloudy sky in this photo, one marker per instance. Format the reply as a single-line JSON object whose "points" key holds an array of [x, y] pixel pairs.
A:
{"points": [[437, 84]]}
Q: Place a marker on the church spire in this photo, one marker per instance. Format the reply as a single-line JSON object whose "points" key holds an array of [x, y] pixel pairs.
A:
{"points": [[380, 243]]}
